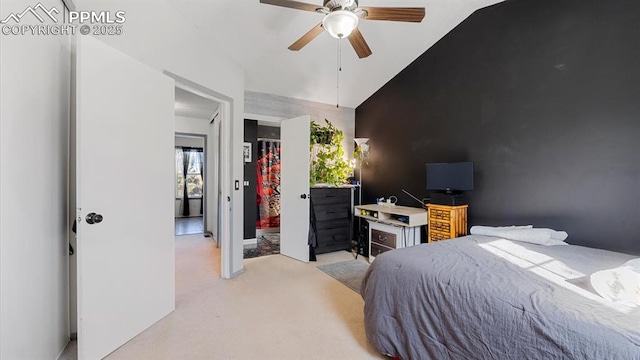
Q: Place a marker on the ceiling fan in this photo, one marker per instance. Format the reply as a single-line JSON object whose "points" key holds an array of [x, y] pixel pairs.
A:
{"points": [[341, 20]]}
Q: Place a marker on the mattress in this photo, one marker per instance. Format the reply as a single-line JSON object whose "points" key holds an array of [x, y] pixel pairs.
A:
{"points": [[480, 297]]}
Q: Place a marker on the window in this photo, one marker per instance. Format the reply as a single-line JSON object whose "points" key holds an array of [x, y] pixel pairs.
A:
{"points": [[194, 181]]}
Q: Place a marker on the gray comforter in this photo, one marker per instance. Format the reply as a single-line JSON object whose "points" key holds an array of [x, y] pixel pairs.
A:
{"points": [[479, 297]]}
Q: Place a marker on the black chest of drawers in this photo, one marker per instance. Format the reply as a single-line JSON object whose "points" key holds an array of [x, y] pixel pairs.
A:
{"points": [[333, 218]]}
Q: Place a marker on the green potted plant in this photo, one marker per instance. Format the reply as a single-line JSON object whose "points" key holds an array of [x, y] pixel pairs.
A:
{"points": [[328, 165]]}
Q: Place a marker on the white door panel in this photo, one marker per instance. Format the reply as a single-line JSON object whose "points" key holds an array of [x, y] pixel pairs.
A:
{"points": [[294, 182], [125, 172]]}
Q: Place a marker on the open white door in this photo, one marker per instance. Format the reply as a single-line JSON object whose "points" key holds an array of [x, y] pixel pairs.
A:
{"points": [[125, 173], [294, 188]]}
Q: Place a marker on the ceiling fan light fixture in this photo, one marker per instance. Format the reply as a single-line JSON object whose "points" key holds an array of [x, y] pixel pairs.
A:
{"points": [[340, 23]]}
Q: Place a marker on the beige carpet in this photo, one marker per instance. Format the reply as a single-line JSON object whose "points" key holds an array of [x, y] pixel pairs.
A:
{"points": [[350, 273], [278, 309]]}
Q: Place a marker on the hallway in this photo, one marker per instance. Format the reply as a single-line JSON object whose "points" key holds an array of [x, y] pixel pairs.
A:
{"points": [[189, 225]]}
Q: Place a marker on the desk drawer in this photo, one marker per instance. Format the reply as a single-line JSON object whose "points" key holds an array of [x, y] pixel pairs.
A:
{"points": [[377, 249], [383, 238]]}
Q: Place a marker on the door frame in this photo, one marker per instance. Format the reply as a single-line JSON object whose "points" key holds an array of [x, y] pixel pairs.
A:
{"points": [[265, 118], [205, 188], [274, 121], [277, 121], [222, 163]]}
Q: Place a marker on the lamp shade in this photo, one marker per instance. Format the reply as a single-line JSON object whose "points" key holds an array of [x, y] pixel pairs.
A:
{"points": [[361, 144], [340, 23]]}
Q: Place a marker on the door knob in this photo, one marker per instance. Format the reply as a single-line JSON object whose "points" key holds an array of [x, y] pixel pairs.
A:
{"points": [[303, 196], [93, 218]]}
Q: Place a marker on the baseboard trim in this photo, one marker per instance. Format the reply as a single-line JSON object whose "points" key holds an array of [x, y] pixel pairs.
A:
{"points": [[237, 273], [247, 242]]}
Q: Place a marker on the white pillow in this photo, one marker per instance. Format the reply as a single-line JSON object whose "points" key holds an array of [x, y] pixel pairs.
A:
{"points": [[554, 242], [527, 233], [634, 264], [534, 236], [557, 235], [621, 284], [514, 227]]}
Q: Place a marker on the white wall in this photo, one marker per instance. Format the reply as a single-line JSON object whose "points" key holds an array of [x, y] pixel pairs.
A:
{"points": [[271, 105], [34, 121], [157, 34], [187, 125]]}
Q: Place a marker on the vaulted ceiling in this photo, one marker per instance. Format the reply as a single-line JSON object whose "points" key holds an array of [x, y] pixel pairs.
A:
{"points": [[257, 36]]}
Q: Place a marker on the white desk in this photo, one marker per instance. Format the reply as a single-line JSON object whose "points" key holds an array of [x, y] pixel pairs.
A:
{"points": [[391, 227]]}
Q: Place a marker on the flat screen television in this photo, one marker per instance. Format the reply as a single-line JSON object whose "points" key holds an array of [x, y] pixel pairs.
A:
{"points": [[450, 177]]}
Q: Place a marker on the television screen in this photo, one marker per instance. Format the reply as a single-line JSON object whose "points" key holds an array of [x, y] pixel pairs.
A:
{"points": [[450, 176]]}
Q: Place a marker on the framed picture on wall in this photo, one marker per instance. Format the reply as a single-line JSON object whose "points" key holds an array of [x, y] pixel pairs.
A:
{"points": [[246, 152]]}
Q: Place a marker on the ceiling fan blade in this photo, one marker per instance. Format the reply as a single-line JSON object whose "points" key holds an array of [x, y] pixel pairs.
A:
{"points": [[394, 14], [292, 4], [306, 38], [359, 44]]}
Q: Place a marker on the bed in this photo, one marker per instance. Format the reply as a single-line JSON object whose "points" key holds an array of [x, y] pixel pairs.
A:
{"points": [[481, 297]]}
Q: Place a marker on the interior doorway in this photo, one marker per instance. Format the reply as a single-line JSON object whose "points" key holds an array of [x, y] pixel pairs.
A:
{"points": [[262, 187], [190, 156], [195, 115], [216, 129]]}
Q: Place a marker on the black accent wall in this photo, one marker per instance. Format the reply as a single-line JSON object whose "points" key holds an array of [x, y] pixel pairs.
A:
{"points": [[544, 97], [250, 175]]}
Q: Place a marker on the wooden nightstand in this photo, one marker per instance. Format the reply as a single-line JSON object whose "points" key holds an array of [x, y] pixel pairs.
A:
{"points": [[446, 222]]}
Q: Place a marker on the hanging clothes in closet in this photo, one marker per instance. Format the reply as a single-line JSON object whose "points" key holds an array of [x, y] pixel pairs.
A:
{"points": [[268, 185]]}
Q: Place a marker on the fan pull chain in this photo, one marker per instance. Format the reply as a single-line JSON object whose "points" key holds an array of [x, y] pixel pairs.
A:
{"points": [[339, 61]]}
